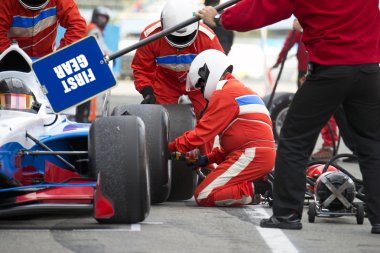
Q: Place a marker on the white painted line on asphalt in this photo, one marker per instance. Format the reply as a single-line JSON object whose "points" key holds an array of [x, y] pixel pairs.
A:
{"points": [[275, 238], [152, 222], [136, 227], [133, 228], [105, 230], [79, 230]]}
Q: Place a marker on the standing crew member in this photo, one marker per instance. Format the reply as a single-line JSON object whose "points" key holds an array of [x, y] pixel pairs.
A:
{"points": [[344, 70], [329, 131], [240, 118], [33, 24], [160, 68]]}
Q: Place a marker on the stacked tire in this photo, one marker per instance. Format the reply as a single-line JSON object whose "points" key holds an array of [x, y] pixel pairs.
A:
{"points": [[170, 180]]}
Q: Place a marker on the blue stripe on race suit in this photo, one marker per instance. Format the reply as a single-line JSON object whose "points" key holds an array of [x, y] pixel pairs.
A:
{"points": [[27, 22], [251, 104], [249, 99], [176, 59]]}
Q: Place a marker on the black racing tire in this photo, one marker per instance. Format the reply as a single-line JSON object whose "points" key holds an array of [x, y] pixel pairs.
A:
{"points": [[312, 212], [156, 122], [359, 213], [278, 110], [117, 150], [184, 181]]}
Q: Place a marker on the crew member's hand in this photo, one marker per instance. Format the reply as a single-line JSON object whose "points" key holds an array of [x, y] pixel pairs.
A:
{"points": [[149, 99], [201, 162], [302, 79], [148, 95], [208, 14], [190, 157]]}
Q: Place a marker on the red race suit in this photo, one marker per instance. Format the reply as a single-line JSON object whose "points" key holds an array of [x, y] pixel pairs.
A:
{"points": [[163, 67], [247, 152]]}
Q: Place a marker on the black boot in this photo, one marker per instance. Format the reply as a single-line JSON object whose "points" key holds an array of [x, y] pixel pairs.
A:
{"points": [[375, 229], [264, 187], [292, 221]]}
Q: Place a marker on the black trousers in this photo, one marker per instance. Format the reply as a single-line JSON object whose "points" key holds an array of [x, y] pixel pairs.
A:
{"points": [[357, 88], [345, 130]]}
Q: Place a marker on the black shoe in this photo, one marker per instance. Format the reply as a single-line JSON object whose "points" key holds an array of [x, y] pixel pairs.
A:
{"points": [[350, 160], [262, 187], [285, 222], [375, 229]]}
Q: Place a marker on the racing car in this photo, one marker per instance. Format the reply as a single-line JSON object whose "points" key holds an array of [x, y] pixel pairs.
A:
{"points": [[115, 167]]}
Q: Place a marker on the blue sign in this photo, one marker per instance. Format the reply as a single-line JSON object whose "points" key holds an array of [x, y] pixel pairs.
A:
{"points": [[74, 74]]}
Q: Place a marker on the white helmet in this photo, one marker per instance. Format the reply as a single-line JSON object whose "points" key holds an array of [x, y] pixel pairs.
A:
{"points": [[34, 5], [175, 12], [206, 71]]}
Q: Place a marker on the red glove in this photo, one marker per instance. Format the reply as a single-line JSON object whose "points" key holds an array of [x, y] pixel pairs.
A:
{"points": [[172, 148]]}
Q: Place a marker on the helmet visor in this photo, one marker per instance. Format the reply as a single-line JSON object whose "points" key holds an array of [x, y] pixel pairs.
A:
{"points": [[182, 41], [11, 101]]}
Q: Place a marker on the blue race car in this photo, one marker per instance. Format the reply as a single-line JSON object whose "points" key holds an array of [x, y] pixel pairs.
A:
{"points": [[116, 167], [51, 164]]}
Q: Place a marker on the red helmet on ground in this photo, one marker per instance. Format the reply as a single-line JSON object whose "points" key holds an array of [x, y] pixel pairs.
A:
{"points": [[314, 171]]}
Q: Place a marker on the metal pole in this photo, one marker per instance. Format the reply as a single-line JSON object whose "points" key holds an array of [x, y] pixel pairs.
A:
{"points": [[165, 32]]}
